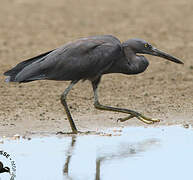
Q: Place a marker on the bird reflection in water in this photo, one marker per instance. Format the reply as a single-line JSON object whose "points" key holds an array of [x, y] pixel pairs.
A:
{"points": [[69, 155], [124, 150]]}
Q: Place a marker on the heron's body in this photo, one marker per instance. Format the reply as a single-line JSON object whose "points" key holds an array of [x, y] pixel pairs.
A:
{"points": [[87, 58]]}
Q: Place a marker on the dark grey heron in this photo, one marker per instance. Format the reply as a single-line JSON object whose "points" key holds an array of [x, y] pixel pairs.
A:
{"points": [[88, 59]]}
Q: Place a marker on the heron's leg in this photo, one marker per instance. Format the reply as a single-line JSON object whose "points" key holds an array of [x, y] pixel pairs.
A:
{"points": [[123, 110], [63, 101]]}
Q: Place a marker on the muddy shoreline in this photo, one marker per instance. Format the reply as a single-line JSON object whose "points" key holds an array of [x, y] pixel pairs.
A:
{"points": [[163, 91]]}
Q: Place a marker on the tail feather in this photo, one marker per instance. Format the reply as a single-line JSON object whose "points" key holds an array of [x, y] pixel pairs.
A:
{"points": [[12, 73]]}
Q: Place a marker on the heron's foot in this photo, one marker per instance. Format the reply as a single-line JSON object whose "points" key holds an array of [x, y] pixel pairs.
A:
{"points": [[141, 117]]}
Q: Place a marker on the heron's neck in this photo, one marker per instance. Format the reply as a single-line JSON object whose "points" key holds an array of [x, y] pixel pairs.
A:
{"points": [[135, 64], [128, 63], [130, 54]]}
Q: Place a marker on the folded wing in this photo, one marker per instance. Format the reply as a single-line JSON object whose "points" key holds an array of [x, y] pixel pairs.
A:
{"points": [[82, 59]]}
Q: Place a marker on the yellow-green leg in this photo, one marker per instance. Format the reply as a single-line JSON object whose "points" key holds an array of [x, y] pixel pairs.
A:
{"points": [[63, 101], [132, 113]]}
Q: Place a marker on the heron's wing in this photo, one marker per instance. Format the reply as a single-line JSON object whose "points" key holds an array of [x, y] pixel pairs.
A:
{"points": [[19, 67], [82, 59]]}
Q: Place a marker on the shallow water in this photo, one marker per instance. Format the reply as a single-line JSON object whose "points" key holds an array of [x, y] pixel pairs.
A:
{"points": [[133, 153]]}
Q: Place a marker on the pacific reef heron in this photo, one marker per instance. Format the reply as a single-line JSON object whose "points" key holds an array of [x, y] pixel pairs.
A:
{"points": [[88, 59]]}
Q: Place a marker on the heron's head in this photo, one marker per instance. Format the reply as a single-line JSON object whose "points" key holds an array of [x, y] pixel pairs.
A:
{"points": [[143, 47], [6, 169]]}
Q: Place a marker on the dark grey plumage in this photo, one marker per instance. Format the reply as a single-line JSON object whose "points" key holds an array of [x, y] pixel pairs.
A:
{"points": [[88, 58], [82, 59]]}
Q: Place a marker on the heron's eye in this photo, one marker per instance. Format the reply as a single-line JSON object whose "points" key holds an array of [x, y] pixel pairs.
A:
{"points": [[147, 45]]}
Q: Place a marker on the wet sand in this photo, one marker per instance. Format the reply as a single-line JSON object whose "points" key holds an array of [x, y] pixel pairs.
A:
{"points": [[163, 91]]}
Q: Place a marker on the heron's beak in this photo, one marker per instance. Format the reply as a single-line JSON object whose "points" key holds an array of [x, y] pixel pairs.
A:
{"points": [[156, 52]]}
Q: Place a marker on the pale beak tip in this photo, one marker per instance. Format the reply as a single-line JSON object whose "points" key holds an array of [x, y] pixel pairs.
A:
{"points": [[180, 62]]}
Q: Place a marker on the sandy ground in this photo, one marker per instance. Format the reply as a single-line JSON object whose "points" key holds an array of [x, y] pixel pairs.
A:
{"points": [[164, 91]]}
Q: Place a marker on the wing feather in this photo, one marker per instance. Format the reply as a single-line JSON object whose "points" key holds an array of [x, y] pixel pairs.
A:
{"points": [[81, 59]]}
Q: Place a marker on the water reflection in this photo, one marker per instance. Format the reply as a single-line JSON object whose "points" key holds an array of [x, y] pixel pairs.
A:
{"points": [[69, 155], [125, 151], [139, 153], [106, 153]]}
